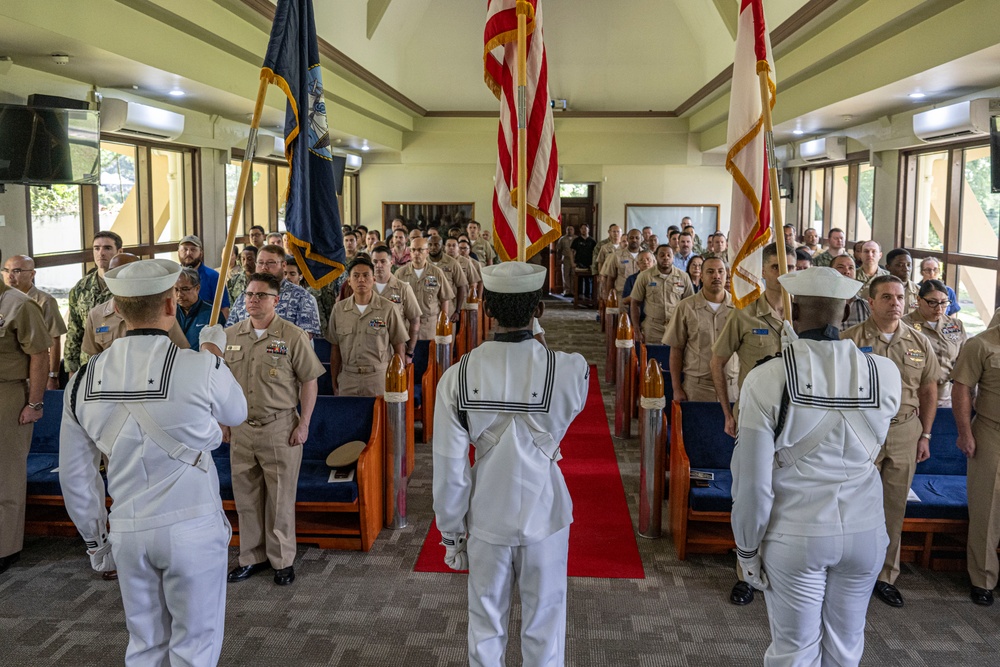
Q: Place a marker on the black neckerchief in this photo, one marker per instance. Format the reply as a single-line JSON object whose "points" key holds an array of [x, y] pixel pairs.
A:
{"points": [[828, 332], [518, 336], [145, 332]]}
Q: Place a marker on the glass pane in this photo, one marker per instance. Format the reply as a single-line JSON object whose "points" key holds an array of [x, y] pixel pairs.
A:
{"points": [[347, 204], [56, 224], [118, 196], [282, 189], [980, 209], [816, 190], [929, 211], [574, 190], [977, 289], [260, 195], [838, 204], [170, 221], [232, 185], [58, 281], [866, 199]]}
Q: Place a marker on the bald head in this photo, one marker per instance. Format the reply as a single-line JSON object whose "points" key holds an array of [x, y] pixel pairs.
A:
{"points": [[19, 272]]}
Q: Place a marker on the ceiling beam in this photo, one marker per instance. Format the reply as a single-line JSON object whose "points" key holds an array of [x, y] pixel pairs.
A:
{"points": [[376, 10], [728, 11]]}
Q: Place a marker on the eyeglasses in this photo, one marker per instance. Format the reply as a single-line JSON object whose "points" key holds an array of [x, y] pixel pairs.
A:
{"points": [[184, 290], [257, 296], [14, 272], [269, 263], [937, 304], [929, 269]]}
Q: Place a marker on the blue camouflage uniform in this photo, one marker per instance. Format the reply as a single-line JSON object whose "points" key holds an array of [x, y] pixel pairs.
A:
{"points": [[295, 305]]}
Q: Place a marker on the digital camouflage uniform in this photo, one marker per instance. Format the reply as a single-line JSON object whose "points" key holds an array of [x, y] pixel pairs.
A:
{"points": [[236, 283], [89, 292]]}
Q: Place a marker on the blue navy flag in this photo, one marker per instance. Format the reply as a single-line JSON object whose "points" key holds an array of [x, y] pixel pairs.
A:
{"points": [[312, 214]]}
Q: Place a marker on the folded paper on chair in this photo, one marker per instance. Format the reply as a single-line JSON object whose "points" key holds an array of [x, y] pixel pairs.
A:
{"points": [[338, 475], [703, 475]]}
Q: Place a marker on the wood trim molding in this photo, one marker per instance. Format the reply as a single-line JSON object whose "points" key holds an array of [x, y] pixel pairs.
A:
{"points": [[557, 115]]}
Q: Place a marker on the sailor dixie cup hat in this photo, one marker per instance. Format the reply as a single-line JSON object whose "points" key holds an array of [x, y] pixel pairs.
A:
{"points": [[820, 281], [146, 277], [513, 277]]}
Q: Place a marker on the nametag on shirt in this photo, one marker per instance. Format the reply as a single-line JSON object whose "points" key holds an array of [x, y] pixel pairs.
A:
{"points": [[867, 349], [277, 347], [103, 329], [376, 323], [233, 348], [652, 283], [761, 332]]}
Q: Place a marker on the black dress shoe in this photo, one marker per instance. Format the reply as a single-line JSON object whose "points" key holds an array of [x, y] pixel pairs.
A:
{"points": [[742, 594], [284, 576], [888, 594], [110, 576], [246, 571], [9, 560], [981, 596]]}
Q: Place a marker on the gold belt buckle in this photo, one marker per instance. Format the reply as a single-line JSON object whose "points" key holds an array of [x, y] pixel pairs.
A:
{"points": [[253, 422]]}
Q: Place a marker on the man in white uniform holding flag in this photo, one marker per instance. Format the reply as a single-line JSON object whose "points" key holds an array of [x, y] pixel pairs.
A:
{"points": [[807, 497], [513, 399], [154, 411]]}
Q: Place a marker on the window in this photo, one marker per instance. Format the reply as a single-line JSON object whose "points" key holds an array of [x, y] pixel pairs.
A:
{"points": [[839, 196], [574, 190], [949, 213], [264, 201]]}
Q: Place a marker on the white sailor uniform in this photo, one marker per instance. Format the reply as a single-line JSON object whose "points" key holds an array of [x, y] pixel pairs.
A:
{"points": [[154, 410], [514, 400], [810, 497]]}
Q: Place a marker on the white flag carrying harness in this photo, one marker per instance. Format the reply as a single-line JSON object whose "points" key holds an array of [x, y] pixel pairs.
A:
{"points": [[173, 448]]}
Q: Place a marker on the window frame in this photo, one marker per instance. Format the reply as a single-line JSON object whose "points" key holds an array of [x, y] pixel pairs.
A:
{"points": [[853, 163]]}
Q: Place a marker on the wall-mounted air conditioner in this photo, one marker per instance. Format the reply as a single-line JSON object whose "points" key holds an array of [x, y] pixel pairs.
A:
{"points": [[827, 149], [955, 121], [353, 162], [268, 146], [140, 120]]}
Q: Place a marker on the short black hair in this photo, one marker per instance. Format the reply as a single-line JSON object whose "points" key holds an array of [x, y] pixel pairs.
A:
{"points": [[252, 248], [771, 250], [117, 240], [882, 280], [272, 281], [893, 254], [932, 285], [256, 227], [512, 310], [381, 247], [802, 255], [360, 260]]}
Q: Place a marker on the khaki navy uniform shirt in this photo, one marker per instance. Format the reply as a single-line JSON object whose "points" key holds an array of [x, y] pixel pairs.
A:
{"points": [[979, 364], [430, 288], [619, 266], [452, 270], [660, 295], [471, 271], [366, 339], [908, 349], [601, 252], [104, 326], [401, 294], [866, 280], [484, 251], [695, 327], [911, 293], [22, 333], [50, 311], [752, 333], [271, 368], [946, 339]]}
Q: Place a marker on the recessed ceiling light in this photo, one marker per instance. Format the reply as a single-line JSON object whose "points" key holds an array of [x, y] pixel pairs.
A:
{"points": [[796, 131], [176, 93], [365, 146], [917, 96]]}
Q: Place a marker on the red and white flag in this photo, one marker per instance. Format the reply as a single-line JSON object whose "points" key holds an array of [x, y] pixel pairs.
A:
{"points": [[750, 225], [500, 68]]}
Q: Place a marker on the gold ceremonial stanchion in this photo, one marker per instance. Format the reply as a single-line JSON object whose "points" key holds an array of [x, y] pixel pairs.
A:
{"points": [[611, 330], [396, 398], [652, 451], [623, 380], [443, 341]]}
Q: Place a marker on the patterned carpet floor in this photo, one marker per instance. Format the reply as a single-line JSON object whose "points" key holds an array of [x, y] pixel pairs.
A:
{"points": [[360, 609]]}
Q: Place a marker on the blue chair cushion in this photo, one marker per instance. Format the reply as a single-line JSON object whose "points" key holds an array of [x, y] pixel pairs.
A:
{"points": [[418, 392], [421, 359], [717, 496], [42, 481], [225, 470], [946, 458], [314, 485], [941, 497], [45, 436], [662, 354], [337, 420], [706, 443], [322, 348], [324, 383]]}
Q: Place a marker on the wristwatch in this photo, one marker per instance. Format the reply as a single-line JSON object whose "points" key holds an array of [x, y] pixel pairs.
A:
{"points": [[53, 374], [925, 435], [36, 406]]}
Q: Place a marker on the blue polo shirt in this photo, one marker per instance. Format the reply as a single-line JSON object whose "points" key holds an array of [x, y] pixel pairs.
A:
{"points": [[196, 319], [209, 280]]}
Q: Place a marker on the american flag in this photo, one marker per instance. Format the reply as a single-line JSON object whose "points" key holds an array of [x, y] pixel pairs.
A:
{"points": [[750, 224], [500, 66]]}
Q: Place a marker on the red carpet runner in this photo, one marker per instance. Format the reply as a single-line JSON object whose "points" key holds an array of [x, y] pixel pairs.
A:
{"points": [[601, 539]]}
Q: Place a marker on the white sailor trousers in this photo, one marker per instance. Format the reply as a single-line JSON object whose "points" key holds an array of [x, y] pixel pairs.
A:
{"points": [[173, 584], [818, 598], [540, 572]]}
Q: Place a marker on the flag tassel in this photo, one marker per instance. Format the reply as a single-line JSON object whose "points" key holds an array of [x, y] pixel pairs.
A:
{"points": [[776, 217], [241, 191], [522, 134]]}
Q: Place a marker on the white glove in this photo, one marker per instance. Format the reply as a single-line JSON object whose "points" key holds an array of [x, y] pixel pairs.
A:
{"points": [[455, 555], [99, 551], [214, 335], [753, 570]]}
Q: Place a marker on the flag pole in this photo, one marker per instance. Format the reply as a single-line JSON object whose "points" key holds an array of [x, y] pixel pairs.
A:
{"points": [[776, 217], [241, 191], [522, 132]]}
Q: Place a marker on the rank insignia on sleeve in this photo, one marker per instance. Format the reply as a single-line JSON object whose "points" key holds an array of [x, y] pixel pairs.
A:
{"points": [[277, 347], [376, 323]]}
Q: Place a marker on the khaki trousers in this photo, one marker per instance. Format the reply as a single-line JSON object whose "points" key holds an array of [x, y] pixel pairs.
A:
{"points": [[265, 479], [983, 483], [362, 384], [14, 446], [700, 390], [896, 464]]}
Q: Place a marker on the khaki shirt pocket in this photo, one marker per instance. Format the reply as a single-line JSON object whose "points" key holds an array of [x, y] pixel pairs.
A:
{"points": [[377, 341], [276, 368]]}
